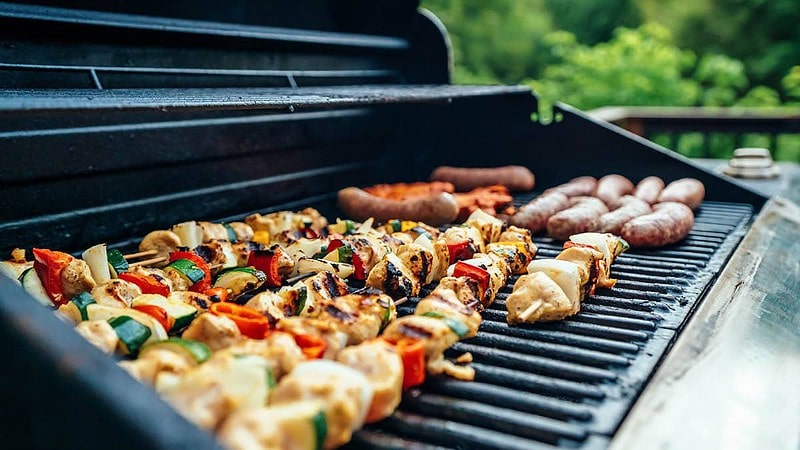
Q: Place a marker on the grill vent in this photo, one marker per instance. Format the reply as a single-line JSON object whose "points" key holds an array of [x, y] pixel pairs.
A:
{"points": [[568, 383]]}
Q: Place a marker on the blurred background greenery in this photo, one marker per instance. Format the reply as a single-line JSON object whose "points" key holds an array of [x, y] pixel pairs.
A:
{"points": [[593, 53]]}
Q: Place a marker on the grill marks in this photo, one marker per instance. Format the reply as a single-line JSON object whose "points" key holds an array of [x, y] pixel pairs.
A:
{"points": [[567, 383]]}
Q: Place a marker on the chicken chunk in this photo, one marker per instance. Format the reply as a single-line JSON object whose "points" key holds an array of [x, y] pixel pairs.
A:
{"points": [[100, 334], [461, 233], [466, 289], [394, 278], [370, 249], [156, 274], [345, 393], [276, 306], [434, 333], [417, 259], [217, 332], [76, 278], [201, 302], [536, 297], [218, 252], [383, 367], [213, 231], [279, 349], [149, 365], [361, 316], [445, 302], [322, 286], [586, 259], [244, 232], [292, 426], [116, 292]]}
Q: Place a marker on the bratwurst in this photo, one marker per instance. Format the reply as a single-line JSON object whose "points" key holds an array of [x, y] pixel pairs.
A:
{"points": [[611, 188], [669, 223], [632, 207], [515, 178], [648, 189], [435, 209], [582, 217], [576, 187], [534, 215], [688, 191]]}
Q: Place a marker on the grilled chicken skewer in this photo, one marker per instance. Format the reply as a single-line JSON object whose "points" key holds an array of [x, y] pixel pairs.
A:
{"points": [[555, 288]]}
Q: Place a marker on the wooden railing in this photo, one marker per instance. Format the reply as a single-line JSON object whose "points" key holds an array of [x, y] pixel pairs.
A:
{"points": [[668, 124]]}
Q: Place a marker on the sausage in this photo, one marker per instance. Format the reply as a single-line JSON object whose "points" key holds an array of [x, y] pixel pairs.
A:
{"points": [[648, 189], [584, 216], [436, 209], [515, 178], [632, 207], [611, 188], [534, 215], [688, 191], [669, 223], [577, 186]]}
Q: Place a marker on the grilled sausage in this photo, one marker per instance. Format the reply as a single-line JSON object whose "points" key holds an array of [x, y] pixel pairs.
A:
{"points": [[632, 207], [515, 178], [534, 215], [437, 209], [577, 186], [583, 217], [688, 191], [670, 222], [648, 189], [611, 188]]}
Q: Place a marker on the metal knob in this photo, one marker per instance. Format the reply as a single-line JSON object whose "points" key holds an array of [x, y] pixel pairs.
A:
{"points": [[751, 163]]}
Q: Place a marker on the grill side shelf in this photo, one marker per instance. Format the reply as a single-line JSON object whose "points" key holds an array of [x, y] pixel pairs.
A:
{"points": [[568, 383]]}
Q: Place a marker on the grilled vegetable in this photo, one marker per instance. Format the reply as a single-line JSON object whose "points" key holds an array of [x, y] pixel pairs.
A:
{"points": [[132, 334], [81, 301], [189, 233], [301, 425], [116, 262], [308, 265], [413, 354], [250, 322], [148, 284], [197, 352], [97, 259], [33, 285], [190, 271], [49, 265], [240, 280]]}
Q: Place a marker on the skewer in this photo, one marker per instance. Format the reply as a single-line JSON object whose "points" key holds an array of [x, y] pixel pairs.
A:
{"points": [[140, 254], [400, 301], [148, 262], [531, 309], [302, 276]]}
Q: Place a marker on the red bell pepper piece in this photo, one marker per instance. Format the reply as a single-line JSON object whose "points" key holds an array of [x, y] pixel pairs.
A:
{"points": [[221, 294], [201, 263], [158, 313], [334, 245], [267, 262], [412, 352], [313, 346], [360, 273], [251, 323], [460, 250], [48, 265], [148, 284], [478, 274]]}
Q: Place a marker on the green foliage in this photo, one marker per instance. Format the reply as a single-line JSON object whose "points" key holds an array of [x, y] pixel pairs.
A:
{"points": [[595, 20], [636, 67], [494, 42]]}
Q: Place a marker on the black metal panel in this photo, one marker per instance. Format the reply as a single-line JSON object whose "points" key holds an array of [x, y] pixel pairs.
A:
{"points": [[59, 391]]}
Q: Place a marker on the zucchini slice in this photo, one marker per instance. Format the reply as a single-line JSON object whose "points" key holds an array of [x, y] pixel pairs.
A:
{"points": [[193, 350], [132, 334], [81, 301], [186, 269], [183, 313], [240, 280], [456, 326], [33, 285], [96, 311], [116, 261]]}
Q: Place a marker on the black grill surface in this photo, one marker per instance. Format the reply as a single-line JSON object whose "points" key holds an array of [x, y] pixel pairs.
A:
{"points": [[568, 383]]}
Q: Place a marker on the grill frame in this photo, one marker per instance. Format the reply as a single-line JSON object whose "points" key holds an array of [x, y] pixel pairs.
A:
{"points": [[444, 124]]}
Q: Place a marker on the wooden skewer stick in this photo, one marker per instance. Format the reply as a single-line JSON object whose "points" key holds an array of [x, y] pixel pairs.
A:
{"points": [[302, 276], [531, 309], [215, 266], [148, 262], [400, 301], [140, 254]]}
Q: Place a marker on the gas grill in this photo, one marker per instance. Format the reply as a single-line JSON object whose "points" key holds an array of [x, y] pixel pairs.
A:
{"points": [[119, 118]]}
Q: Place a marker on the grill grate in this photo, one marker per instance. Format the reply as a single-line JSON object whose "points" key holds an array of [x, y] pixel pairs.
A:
{"points": [[569, 383]]}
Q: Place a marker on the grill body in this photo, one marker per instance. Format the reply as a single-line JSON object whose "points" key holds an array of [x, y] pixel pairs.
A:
{"points": [[118, 119]]}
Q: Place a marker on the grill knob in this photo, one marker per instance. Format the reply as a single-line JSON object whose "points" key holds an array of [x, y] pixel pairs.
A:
{"points": [[751, 163]]}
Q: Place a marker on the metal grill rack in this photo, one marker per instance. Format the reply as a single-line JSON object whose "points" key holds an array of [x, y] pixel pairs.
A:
{"points": [[568, 383]]}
